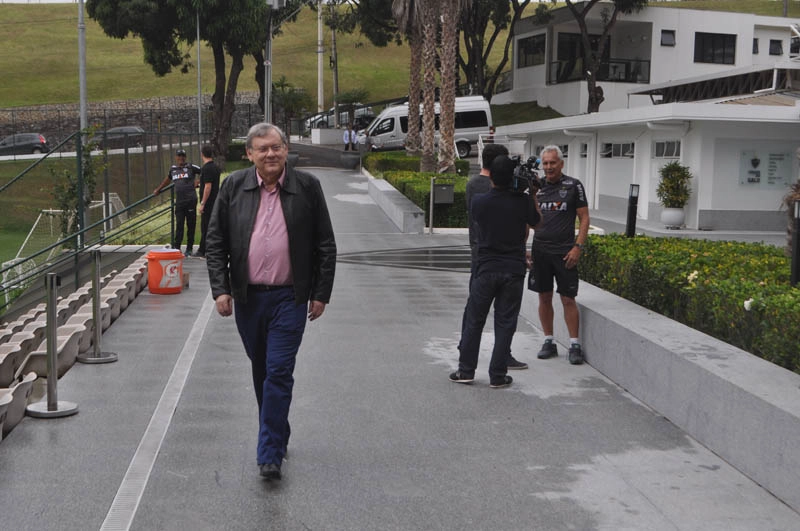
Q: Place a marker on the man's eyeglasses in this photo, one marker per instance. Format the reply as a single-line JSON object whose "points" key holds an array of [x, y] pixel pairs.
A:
{"points": [[264, 149]]}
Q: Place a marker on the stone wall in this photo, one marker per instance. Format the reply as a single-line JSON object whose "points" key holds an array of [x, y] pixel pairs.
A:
{"points": [[166, 115]]}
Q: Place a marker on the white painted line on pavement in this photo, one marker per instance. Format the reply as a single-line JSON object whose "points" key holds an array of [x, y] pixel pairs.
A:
{"points": [[126, 502]]}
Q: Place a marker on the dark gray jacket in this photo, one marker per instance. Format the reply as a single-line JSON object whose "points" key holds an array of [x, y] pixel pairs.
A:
{"points": [[312, 247]]}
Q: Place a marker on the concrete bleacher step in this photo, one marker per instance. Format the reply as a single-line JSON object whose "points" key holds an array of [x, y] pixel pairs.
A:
{"points": [[23, 343], [20, 392], [5, 400], [14, 352], [67, 344]]}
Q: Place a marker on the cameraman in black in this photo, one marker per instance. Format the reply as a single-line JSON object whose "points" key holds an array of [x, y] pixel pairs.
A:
{"points": [[503, 217]]}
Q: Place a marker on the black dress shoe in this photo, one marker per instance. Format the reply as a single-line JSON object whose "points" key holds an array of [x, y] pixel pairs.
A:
{"points": [[270, 471]]}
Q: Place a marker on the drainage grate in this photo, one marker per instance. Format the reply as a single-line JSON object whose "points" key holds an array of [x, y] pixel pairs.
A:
{"points": [[433, 258]]}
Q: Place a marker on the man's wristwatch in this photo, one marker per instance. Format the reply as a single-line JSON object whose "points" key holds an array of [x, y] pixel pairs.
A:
{"points": [[578, 245]]}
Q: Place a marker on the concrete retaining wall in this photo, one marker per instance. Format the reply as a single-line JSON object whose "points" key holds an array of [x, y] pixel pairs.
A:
{"points": [[741, 407], [407, 216]]}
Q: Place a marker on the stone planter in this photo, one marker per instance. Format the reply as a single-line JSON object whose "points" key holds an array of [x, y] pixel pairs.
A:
{"points": [[673, 218]]}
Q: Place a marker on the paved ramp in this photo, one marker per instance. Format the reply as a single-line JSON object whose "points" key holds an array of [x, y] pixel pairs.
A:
{"points": [[381, 440]]}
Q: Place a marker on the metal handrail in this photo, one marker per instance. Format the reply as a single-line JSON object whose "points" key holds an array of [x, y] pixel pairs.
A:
{"points": [[28, 277]]}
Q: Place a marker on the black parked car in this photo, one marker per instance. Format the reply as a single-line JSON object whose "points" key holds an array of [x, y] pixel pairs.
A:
{"points": [[119, 137], [23, 143]]}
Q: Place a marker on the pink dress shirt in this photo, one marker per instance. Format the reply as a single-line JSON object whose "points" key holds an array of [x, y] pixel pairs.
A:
{"points": [[268, 261]]}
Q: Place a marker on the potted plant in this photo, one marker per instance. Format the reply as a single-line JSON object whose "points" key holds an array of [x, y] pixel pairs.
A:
{"points": [[673, 191]]}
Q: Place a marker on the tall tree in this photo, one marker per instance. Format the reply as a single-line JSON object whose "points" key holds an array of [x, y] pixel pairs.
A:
{"points": [[232, 30], [593, 52], [429, 12], [450, 12], [407, 15], [482, 23]]}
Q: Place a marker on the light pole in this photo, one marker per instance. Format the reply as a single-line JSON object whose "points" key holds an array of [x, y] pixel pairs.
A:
{"points": [[199, 84], [83, 121], [796, 245], [320, 52], [633, 202]]}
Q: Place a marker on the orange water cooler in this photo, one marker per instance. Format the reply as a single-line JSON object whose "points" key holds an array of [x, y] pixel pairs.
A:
{"points": [[165, 271]]}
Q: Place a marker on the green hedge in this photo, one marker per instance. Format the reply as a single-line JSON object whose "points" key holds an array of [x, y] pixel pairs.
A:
{"points": [[417, 187], [381, 161], [402, 172], [706, 285]]}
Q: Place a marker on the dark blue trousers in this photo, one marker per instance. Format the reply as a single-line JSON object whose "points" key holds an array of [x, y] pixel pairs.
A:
{"points": [[505, 290], [271, 326]]}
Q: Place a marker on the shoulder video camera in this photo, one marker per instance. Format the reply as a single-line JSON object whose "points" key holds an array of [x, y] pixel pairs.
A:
{"points": [[526, 175]]}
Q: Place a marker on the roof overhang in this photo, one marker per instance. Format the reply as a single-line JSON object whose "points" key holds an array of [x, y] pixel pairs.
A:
{"points": [[670, 116], [657, 88]]}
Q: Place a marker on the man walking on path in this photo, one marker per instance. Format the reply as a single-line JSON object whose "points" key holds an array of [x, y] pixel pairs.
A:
{"points": [[209, 186], [556, 251], [183, 174], [270, 285], [350, 139], [503, 218]]}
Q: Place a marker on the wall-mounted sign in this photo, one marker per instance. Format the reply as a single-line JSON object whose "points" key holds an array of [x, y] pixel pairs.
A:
{"points": [[765, 169]]}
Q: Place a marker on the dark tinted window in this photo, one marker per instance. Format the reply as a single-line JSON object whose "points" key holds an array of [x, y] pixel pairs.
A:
{"points": [[667, 37], [404, 124], [471, 119], [384, 126], [718, 48], [531, 51], [775, 47]]}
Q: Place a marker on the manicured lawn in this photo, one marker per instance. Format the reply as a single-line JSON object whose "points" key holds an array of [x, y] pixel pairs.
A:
{"points": [[10, 241]]}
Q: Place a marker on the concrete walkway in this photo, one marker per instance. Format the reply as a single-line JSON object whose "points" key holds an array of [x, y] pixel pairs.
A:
{"points": [[381, 440]]}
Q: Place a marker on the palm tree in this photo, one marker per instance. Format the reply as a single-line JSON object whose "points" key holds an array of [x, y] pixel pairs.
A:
{"points": [[451, 12], [406, 15], [429, 12]]}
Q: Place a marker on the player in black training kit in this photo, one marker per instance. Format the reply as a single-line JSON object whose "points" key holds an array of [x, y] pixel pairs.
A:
{"points": [[183, 175], [556, 250]]}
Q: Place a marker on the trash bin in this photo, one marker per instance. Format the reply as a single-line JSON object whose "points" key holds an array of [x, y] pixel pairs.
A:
{"points": [[443, 194], [165, 271]]}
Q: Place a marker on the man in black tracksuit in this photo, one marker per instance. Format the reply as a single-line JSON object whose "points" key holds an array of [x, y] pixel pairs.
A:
{"points": [[209, 186], [503, 218], [183, 175]]}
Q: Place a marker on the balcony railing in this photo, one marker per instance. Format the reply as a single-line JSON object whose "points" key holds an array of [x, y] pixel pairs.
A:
{"points": [[620, 70]]}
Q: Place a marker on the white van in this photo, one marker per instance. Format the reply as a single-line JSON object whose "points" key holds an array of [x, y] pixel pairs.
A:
{"points": [[389, 129]]}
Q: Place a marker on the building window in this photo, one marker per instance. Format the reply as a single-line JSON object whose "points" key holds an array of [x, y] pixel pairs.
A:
{"points": [[667, 149], [584, 149], [794, 46], [616, 151], [667, 37], [717, 48], [775, 47], [531, 51], [755, 46], [564, 150]]}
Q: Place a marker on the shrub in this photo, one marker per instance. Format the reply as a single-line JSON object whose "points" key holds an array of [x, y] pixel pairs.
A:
{"points": [[381, 161], [673, 189], [734, 291], [417, 187]]}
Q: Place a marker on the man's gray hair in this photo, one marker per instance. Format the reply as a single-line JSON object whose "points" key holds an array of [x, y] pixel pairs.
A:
{"points": [[553, 148], [263, 129]]}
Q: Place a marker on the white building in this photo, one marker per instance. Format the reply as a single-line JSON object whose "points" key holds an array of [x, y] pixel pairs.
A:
{"points": [[717, 91]]}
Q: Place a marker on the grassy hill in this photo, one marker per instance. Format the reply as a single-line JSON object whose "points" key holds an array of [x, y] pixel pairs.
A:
{"points": [[40, 58]]}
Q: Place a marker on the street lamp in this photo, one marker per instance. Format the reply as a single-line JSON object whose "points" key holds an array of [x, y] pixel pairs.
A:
{"points": [[633, 202], [796, 245]]}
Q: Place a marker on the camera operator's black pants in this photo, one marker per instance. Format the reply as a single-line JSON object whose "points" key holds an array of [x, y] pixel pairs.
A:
{"points": [[185, 213], [505, 290]]}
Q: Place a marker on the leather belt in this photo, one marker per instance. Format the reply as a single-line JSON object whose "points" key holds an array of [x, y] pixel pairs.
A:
{"points": [[264, 287]]}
